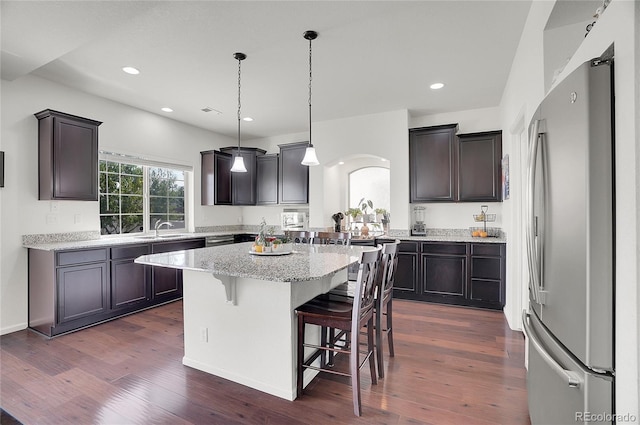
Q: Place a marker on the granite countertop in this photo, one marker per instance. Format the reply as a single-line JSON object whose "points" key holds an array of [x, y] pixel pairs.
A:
{"points": [[55, 242], [102, 242], [306, 262]]}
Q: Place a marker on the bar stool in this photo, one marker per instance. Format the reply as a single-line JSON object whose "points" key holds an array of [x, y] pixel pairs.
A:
{"points": [[300, 236], [347, 317], [333, 238], [384, 300]]}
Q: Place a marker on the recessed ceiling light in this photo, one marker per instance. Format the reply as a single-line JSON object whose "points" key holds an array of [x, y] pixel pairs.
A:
{"points": [[383, 159], [436, 86], [131, 70], [247, 119], [341, 163], [167, 109]]}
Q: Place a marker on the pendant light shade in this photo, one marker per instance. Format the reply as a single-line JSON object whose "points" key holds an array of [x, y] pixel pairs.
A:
{"points": [[238, 161], [310, 157], [238, 164]]}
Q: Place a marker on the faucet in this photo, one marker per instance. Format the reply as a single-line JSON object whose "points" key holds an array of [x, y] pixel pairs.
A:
{"points": [[160, 223]]}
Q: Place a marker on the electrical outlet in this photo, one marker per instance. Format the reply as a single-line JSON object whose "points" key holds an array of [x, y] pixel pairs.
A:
{"points": [[77, 218], [239, 219], [204, 334], [51, 218]]}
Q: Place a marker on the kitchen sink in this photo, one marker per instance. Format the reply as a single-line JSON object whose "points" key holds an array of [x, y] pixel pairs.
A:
{"points": [[159, 237]]}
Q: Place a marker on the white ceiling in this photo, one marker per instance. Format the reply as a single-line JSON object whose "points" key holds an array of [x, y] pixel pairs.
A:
{"points": [[369, 57]]}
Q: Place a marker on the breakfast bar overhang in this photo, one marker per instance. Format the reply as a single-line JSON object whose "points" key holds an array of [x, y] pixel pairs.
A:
{"points": [[239, 308]]}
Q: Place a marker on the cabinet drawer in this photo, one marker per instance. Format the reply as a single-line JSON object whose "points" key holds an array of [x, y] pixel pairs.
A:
{"points": [[486, 290], [492, 249], [444, 248], [486, 268], [65, 258], [130, 251]]}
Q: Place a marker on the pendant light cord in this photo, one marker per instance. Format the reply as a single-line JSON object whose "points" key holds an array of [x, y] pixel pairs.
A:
{"points": [[310, 79], [239, 74]]}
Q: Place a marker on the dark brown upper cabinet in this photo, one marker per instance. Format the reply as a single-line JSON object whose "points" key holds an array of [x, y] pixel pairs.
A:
{"points": [[267, 179], [243, 185], [219, 186], [293, 176], [480, 166], [215, 178], [67, 156], [432, 164], [445, 167]]}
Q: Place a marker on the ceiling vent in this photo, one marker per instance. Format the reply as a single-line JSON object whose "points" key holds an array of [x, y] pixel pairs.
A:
{"points": [[208, 109]]}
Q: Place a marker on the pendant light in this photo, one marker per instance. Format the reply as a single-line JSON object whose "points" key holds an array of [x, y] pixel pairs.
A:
{"points": [[310, 157], [238, 161]]}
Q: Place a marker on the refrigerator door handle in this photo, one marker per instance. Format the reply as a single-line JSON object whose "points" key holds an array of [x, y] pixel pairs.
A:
{"points": [[573, 379], [530, 229]]}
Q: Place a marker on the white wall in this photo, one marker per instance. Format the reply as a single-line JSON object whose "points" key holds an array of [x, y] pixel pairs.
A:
{"points": [[383, 135], [124, 129], [620, 24]]}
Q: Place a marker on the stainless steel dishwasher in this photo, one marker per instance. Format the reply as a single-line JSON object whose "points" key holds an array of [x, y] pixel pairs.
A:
{"points": [[218, 240]]}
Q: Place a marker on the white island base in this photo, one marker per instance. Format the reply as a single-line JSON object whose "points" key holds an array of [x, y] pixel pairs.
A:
{"points": [[245, 329]]}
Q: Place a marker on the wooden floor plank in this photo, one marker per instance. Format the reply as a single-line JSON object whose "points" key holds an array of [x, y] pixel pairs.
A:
{"points": [[453, 365]]}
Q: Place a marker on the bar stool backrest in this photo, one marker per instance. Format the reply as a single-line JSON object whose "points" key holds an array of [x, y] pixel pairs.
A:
{"points": [[389, 263], [300, 236], [366, 285], [333, 238]]}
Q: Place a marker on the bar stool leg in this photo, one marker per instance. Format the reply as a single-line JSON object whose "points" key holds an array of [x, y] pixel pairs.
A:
{"points": [[354, 363], [379, 349], [390, 326], [300, 369]]}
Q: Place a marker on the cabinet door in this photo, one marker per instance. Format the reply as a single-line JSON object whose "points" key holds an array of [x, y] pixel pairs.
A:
{"points": [[243, 185], [216, 178], [406, 278], [432, 174], [207, 178], [130, 284], [444, 271], [444, 275], [267, 179], [480, 167], [293, 176], [67, 156], [82, 291], [167, 282]]}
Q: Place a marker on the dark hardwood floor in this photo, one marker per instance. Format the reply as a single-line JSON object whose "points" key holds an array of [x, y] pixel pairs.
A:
{"points": [[453, 365]]}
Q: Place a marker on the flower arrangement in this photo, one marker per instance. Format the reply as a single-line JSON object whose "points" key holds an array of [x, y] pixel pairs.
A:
{"points": [[266, 241]]}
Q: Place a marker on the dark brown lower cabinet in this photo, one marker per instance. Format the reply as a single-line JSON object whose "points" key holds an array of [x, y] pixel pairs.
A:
{"points": [[469, 274], [72, 289], [130, 282], [166, 282], [82, 291]]}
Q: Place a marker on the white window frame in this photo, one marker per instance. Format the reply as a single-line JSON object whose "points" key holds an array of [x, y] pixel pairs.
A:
{"points": [[146, 164]]}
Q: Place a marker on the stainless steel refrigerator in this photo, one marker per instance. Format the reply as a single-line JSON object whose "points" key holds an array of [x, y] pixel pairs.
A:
{"points": [[570, 247]]}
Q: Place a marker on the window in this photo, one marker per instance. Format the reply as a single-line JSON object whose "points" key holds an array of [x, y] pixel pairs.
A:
{"points": [[370, 183], [134, 197]]}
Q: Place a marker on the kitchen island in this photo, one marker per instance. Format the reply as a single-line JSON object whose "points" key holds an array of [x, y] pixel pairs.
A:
{"points": [[239, 308]]}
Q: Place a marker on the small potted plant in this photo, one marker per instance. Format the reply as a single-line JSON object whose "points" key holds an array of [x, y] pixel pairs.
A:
{"points": [[285, 244], [380, 213], [364, 206]]}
